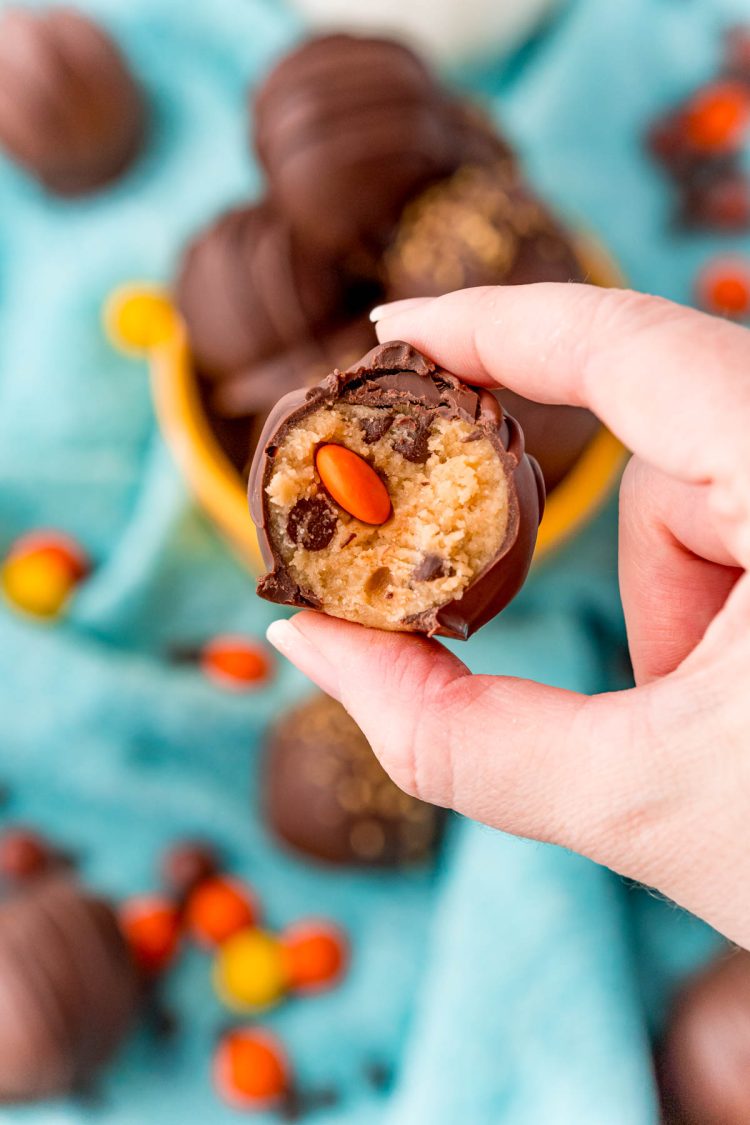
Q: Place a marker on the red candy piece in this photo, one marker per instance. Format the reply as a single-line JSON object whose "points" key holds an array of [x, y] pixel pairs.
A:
{"points": [[723, 288], [151, 926], [317, 955], [24, 855], [235, 663], [218, 908], [250, 1069], [717, 117]]}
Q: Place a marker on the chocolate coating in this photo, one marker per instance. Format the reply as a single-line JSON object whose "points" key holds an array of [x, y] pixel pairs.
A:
{"points": [[326, 794], [348, 129], [255, 389], [248, 291], [704, 1059], [390, 375], [71, 112], [68, 990]]}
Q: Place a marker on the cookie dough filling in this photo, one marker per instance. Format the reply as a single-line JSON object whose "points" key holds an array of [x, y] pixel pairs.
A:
{"points": [[448, 515]]}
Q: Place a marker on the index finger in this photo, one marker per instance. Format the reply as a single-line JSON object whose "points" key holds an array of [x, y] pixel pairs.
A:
{"points": [[673, 384]]}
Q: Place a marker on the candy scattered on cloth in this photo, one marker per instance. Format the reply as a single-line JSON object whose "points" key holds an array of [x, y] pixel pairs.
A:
{"points": [[512, 983]]}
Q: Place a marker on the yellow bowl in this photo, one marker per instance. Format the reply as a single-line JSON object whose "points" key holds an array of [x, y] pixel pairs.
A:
{"points": [[141, 321]]}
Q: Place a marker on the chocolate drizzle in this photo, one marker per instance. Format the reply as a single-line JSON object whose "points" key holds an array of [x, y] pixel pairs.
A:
{"points": [[398, 377]]}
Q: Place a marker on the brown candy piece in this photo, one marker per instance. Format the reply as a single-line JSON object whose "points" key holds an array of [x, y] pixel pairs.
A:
{"points": [[187, 863], [326, 794], [71, 112]]}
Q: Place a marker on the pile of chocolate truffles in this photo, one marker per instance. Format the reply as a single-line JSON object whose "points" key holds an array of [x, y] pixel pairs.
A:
{"points": [[71, 112], [381, 184]]}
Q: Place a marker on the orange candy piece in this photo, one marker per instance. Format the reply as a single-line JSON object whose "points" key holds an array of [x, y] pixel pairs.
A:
{"points": [[317, 955], [353, 484], [716, 118], [151, 926], [235, 663], [41, 571], [218, 908], [724, 288], [250, 1069]]}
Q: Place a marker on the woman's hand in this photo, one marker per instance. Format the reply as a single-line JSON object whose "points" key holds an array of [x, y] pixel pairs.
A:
{"points": [[654, 781]]}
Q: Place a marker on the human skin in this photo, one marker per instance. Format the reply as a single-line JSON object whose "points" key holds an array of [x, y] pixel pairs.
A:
{"points": [[654, 781]]}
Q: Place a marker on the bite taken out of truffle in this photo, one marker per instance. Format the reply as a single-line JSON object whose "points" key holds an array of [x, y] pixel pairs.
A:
{"points": [[396, 496], [71, 112]]}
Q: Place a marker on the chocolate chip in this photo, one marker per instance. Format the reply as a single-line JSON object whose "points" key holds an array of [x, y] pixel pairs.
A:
{"points": [[475, 435], [373, 429], [410, 437], [312, 523], [430, 568]]}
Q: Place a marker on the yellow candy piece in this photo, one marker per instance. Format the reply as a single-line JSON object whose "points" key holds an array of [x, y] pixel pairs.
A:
{"points": [[250, 971], [139, 318], [38, 583]]}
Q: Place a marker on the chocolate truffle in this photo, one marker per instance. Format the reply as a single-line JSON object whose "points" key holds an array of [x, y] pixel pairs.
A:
{"points": [[70, 110], [483, 226], [248, 291], [326, 794], [348, 129], [396, 496], [704, 1061], [68, 990], [254, 390]]}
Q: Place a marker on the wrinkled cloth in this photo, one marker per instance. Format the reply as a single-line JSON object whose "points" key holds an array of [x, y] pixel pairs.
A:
{"points": [[509, 983]]}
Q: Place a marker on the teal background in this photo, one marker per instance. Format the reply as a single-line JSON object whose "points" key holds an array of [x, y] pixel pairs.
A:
{"points": [[513, 983]]}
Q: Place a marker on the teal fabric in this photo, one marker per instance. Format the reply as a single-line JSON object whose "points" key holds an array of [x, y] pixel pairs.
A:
{"points": [[513, 984]]}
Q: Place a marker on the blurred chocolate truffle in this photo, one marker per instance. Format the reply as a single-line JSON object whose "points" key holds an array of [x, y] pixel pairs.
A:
{"points": [[256, 389], [327, 795], [348, 130], [68, 990], [71, 112], [483, 226], [704, 1060], [248, 291]]}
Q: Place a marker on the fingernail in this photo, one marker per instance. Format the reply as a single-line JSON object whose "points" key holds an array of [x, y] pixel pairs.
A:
{"points": [[391, 307], [287, 639]]}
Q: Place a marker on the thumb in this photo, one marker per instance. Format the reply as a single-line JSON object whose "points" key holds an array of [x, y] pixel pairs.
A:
{"points": [[532, 760]]}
